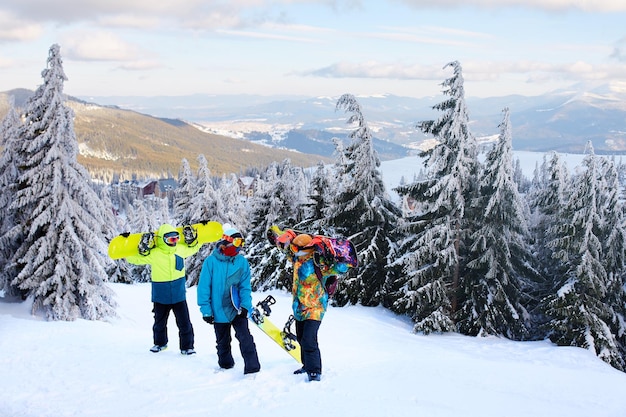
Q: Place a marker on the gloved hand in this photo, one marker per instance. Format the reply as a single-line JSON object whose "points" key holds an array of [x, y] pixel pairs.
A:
{"points": [[208, 319], [190, 235], [243, 312]]}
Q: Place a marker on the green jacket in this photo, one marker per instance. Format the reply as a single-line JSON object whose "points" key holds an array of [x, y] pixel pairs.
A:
{"points": [[168, 267]]}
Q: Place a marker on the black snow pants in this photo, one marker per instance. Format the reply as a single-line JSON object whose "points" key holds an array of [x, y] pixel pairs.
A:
{"points": [[306, 333], [246, 345], [185, 329]]}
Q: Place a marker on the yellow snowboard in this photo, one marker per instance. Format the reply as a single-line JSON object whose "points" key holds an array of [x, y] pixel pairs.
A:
{"points": [[284, 338], [127, 244]]}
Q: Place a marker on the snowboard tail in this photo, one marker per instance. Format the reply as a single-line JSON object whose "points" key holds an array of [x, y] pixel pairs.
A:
{"points": [[127, 244], [329, 249]]}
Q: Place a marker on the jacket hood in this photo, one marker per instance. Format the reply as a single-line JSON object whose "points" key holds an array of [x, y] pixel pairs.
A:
{"points": [[165, 228]]}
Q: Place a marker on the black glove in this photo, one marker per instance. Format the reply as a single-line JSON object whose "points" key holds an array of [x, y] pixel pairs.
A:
{"points": [[190, 235], [243, 312], [208, 319], [146, 243]]}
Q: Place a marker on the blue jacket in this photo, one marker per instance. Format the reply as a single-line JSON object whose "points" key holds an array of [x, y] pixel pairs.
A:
{"points": [[167, 268], [219, 274]]}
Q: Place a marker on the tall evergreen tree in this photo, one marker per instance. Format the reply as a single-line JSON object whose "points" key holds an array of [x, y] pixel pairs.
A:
{"points": [[184, 193], [62, 260], [363, 211], [614, 250], [9, 242], [576, 309], [118, 270], [321, 196], [279, 200], [204, 207], [547, 196], [140, 220], [231, 208], [499, 258], [431, 254]]}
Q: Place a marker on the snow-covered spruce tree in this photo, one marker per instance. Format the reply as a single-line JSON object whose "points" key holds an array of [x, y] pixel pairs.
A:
{"points": [[140, 220], [614, 250], [321, 195], [118, 270], [184, 193], [363, 212], [500, 258], [432, 253], [577, 311], [204, 207], [232, 208], [9, 242], [278, 200], [62, 260], [547, 196]]}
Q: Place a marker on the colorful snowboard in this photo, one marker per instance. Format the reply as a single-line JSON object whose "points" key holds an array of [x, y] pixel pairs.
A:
{"points": [[333, 249], [127, 244], [284, 338]]}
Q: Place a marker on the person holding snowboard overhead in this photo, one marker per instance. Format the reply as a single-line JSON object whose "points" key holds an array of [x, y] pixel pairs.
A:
{"points": [[310, 299], [167, 260], [225, 297]]}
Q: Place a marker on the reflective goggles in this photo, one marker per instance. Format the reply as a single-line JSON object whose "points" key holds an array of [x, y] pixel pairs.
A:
{"points": [[236, 241], [171, 238], [296, 249]]}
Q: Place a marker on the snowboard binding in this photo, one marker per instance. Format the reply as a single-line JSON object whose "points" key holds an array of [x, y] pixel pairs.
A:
{"points": [[257, 315], [288, 337], [146, 243], [190, 234]]}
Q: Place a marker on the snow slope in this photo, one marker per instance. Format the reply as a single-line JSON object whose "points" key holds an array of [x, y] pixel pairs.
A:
{"points": [[373, 366]]}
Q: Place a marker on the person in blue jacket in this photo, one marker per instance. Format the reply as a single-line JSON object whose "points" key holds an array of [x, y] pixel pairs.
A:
{"points": [[167, 261], [225, 297]]}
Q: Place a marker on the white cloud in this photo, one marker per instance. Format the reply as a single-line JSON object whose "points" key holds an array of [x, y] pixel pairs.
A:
{"points": [[140, 65], [374, 69], [15, 29], [600, 6], [99, 46]]}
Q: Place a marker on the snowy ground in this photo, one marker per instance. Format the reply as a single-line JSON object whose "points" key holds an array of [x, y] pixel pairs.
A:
{"points": [[373, 366]]}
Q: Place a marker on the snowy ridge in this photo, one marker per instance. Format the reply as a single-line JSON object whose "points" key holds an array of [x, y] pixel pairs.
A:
{"points": [[373, 366]]}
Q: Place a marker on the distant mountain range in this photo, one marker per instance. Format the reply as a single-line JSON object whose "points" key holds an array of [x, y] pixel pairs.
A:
{"points": [[150, 135], [563, 120]]}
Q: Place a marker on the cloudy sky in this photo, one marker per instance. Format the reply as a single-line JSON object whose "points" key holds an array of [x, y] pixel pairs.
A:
{"points": [[313, 47]]}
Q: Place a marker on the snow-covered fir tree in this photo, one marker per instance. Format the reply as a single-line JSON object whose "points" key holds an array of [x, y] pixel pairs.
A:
{"points": [[203, 207], [431, 255], [184, 193], [118, 270], [614, 249], [140, 221], [9, 242], [577, 310], [499, 259], [363, 212], [62, 260], [547, 195], [278, 200], [322, 190], [231, 207]]}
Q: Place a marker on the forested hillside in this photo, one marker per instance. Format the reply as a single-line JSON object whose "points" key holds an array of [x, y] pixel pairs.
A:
{"points": [[123, 142]]}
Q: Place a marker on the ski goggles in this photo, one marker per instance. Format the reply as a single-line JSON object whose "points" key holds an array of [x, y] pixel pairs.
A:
{"points": [[300, 249], [171, 238], [235, 241]]}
